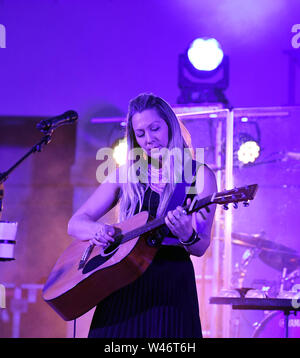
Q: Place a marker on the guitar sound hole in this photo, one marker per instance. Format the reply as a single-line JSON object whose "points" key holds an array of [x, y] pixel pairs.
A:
{"points": [[99, 260], [112, 247], [95, 262]]}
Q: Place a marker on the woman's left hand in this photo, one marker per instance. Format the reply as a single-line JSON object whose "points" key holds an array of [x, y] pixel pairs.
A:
{"points": [[180, 223]]}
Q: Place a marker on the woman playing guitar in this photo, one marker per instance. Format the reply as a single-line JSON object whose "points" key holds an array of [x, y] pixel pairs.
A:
{"points": [[162, 302]]}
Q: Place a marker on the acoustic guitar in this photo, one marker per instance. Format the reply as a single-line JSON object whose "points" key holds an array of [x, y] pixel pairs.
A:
{"points": [[85, 274]]}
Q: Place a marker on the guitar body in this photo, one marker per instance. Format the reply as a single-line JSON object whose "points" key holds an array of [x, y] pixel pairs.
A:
{"points": [[71, 292]]}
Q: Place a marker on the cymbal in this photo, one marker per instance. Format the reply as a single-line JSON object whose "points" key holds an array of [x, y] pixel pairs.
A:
{"points": [[279, 261], [273, 254], [243, 239], [258, 241]]}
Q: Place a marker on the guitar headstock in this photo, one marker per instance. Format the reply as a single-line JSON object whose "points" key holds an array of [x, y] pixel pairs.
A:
{"points": [[242, 194]]}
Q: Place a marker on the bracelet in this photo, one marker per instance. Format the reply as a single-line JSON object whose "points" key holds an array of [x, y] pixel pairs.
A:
{"points": [[192, 240]]}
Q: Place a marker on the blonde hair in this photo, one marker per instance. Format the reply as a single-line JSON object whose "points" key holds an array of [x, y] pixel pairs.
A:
{"points": [[133, 191]]}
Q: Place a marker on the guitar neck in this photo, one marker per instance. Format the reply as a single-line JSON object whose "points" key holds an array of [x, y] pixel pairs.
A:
{"points": [[235, 195], [150, 226], [160, 221]]}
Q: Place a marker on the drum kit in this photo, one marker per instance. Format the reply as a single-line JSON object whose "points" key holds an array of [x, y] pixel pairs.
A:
{"points": [[279, 257]]}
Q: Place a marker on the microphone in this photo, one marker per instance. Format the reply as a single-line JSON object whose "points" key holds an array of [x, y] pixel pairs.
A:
{"points": [[55, 122]]}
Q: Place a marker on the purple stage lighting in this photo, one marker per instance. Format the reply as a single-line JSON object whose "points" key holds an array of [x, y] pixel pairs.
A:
{"points": [[205, 54], [248, 148], [248, 152], [203, 73]]}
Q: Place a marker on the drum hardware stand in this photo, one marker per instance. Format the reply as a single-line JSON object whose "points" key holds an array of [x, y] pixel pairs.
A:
{"points": [[286, 324], [283, 279], [241, 269], [238, 278], [292, 276]]}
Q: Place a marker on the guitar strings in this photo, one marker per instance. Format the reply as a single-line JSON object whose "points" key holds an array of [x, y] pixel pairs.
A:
{"points": [[154, 224]]}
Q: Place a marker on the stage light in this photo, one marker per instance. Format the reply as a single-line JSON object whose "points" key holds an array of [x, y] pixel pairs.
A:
{"points": [[248, 149], [120, 151], [203, 73], [205, 55], [248, 152]]}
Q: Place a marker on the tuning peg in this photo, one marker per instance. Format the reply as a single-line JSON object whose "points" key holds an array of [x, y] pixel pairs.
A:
{"points": [[225, 207], [246, 203], [235, 205], [207, 209]]}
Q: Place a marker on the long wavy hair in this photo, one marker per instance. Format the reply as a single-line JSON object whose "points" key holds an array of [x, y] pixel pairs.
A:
{"points": [[133, 190]]}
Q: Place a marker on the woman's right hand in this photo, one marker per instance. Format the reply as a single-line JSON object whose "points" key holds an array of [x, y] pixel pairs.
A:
{"points": [[103, 235]]}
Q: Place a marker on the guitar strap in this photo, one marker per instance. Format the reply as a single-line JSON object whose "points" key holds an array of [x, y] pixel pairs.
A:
{"points": [[181, 192]]}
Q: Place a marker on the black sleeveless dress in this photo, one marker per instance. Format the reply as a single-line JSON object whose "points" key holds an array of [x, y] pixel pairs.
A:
{"points": [[162, 303]]}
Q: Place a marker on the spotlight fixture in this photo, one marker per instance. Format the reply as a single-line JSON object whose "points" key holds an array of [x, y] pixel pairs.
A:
{"points": [[247, 149], [205, 55], [203, 73], [120, 151]]}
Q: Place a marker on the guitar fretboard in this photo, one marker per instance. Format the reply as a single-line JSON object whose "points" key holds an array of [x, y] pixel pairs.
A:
{"points": [[223, 198], [158, 222], [150, 226]]}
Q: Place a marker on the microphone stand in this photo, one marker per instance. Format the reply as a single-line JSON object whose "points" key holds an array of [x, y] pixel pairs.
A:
{"points": [[3, 177], [36, 148]]}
